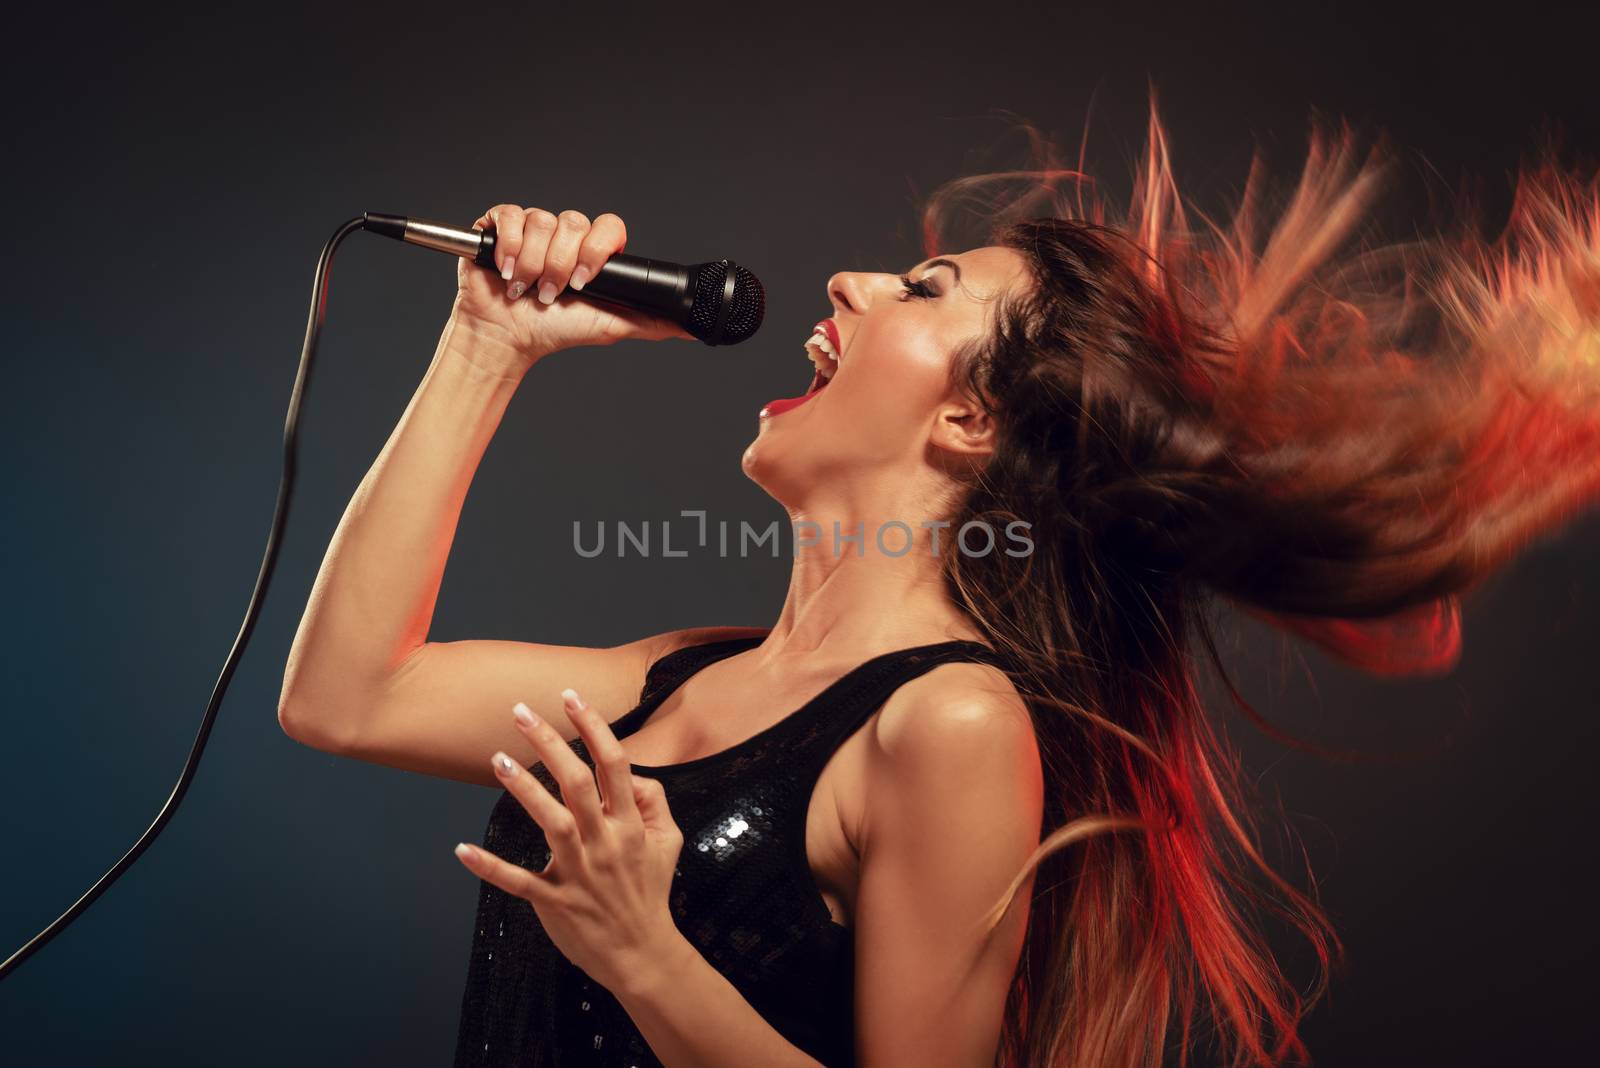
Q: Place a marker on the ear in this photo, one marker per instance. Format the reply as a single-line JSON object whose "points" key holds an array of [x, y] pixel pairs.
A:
{"points": [[964, 430]]}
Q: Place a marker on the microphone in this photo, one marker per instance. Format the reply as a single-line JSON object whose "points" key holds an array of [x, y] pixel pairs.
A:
{"points": [[721, 303]]}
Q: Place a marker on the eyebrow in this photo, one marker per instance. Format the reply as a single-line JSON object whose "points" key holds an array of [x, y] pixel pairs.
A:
{"points": [[940, 262]]}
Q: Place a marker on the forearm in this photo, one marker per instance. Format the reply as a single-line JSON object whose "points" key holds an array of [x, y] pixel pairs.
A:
{"points": [[693, 1017], [374, 596]]}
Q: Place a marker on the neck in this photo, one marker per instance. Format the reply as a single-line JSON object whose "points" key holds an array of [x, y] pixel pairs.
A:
{"points": [[876, 586]]}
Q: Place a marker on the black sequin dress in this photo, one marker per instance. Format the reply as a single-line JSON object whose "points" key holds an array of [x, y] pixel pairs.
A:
{"points": [[743, 893]]}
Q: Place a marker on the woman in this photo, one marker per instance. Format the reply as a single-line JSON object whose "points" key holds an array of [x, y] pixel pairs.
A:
{"points": [[960, 807]]}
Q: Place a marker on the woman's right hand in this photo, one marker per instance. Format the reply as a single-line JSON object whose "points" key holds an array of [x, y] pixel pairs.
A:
{"points": [[523, 307]]}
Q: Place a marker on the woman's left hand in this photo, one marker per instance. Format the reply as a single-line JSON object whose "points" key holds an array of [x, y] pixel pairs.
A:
{"points": [[603, 898]]}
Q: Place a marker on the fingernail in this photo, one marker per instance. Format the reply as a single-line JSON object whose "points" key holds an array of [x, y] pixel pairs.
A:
{"points": [[572, 700], [515, 290], [509, 266], [524, 715], [506, 766], [464, 851], [580, 275], [547, 292]]}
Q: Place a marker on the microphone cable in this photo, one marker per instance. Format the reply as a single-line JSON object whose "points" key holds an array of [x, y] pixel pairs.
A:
{"points": [[269, 560]]}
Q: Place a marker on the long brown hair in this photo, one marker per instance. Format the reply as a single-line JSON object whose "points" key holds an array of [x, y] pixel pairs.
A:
{"points": [[1339, 434]]}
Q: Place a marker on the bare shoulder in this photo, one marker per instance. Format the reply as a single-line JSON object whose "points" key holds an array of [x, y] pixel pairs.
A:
{"points": [[948, 711], [957, 738], [954, 805]]}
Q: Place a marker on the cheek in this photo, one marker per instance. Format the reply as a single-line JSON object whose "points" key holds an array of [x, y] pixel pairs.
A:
{"points": [[897, 383]]}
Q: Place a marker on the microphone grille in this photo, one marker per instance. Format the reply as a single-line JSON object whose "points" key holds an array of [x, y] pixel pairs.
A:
{"points": [[743, 315]]}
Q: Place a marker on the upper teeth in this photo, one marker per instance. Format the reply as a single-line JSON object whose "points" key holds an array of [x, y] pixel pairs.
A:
{"points": [[818, 342]]}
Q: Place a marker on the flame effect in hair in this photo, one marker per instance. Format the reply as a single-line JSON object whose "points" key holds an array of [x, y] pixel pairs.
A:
{"points": [[1353, 434]]}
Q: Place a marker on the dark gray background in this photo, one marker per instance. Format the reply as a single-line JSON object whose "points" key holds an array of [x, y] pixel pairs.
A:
{"points": [[170, 181]]}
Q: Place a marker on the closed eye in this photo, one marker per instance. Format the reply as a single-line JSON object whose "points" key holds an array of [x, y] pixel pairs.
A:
{"points": [[919, 289]]}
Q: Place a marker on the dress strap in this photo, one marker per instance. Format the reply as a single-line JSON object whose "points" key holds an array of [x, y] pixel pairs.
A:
{"points": [[672, 670], [870, 685], [830, 717]]}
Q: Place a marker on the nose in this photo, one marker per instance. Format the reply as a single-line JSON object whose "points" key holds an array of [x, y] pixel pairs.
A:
{"points": [[853, 291]]}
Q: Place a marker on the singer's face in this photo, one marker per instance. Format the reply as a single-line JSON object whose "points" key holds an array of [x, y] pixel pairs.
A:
{"points": [[887, 412]]}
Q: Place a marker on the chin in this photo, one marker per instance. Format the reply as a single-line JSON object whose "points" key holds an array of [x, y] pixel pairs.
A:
{"points": [[757, 465], [762, 465]]}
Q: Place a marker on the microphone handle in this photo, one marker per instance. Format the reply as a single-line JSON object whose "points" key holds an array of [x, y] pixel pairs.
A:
{"points": [[656, 287]]}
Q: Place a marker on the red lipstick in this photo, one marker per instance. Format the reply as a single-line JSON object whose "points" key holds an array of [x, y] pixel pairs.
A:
{"points": [[829, 327], [778, 407], [830, 330]]}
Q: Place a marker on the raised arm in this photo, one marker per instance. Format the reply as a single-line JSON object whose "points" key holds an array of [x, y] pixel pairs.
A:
{"points": [[362, 679]]}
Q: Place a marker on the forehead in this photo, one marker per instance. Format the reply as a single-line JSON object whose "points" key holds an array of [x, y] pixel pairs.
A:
{"points": [[990, 259], [985, 269]]}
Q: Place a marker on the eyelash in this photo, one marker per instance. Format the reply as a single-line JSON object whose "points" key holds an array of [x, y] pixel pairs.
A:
{"points": [[920, 290]]}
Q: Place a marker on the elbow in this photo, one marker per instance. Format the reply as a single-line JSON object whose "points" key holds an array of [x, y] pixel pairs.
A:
{"points": [[333, 712], [312, 727], [290, 719]]}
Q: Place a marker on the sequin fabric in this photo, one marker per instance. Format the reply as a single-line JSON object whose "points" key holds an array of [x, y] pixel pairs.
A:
{"points": [[743, 893]]}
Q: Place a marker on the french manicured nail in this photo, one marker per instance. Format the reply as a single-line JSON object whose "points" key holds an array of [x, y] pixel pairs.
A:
{"points": [[465, 852], [515, 290], [524, 715], [571, 699], [547, 292], [506, 766], [580, 275], [507, 267]]}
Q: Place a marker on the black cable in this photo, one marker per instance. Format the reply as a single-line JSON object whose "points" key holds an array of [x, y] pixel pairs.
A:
{"points": [[269, 559]]}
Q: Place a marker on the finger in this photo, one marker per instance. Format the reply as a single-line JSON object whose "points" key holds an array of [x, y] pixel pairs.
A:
{"points": [[651, 798], [507, 221], [605, 239], [537, 226], [512, 878], [562, 256], [611, 763], [560, 828], [579, 794], [484, 223]]}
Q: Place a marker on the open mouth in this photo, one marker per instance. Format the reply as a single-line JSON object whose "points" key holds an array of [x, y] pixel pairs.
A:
{"points": [[822, 349]]}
